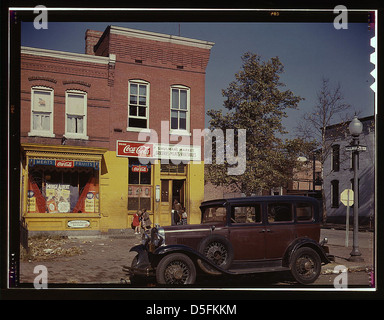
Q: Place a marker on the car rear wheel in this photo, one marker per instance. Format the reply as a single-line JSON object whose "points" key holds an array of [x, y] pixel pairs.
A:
{"points": [[176, 268], [305, 265]]}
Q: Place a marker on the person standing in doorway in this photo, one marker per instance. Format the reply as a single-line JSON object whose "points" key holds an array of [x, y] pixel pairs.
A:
{"points": [[176, 212]]}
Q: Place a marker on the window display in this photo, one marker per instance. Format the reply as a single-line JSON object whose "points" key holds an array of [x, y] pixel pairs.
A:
{"points": [[62, 186]]}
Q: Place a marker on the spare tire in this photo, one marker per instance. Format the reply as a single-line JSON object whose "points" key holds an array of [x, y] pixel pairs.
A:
{"points": [[217, 249]]}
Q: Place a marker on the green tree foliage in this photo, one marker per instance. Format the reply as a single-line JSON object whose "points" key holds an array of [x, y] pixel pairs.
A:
{"points": [[256, 102]]}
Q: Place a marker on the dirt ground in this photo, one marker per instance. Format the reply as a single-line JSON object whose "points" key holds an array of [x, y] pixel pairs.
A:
{"points": [[81, 260]]}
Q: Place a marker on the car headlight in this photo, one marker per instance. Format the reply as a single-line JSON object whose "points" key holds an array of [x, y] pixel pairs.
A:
{"points": [[162, 235]]}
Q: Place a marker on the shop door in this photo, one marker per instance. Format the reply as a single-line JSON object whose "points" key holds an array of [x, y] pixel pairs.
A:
{"points": [[171, 190]]}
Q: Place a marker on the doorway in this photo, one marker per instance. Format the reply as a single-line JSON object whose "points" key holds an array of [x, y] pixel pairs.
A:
{"points": [[178, 187], [171, 189]]}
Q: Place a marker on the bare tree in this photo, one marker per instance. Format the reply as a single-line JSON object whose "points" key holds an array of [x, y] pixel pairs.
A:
{"points": [[330, 109]]}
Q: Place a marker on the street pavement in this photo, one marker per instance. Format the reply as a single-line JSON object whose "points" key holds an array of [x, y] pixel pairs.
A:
{"points": [[103, 258]]}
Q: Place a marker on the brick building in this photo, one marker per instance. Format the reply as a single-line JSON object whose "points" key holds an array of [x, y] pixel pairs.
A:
{"points": [[109, 132]]}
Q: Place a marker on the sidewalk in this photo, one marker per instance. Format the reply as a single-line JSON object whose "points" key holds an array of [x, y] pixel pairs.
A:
{"points": [[336, 244]]}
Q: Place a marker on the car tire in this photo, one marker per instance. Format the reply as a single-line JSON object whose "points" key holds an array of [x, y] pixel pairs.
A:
{"points": [[305, 265], [176, 269], [218, 250]]}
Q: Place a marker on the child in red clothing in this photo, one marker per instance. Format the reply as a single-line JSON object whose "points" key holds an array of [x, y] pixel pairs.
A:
{"points": [[136, 221]]}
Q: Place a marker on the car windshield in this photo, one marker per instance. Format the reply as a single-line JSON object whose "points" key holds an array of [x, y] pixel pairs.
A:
{"points": [[214, 214]]}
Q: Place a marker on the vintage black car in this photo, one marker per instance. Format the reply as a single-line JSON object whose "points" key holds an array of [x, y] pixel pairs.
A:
{"points": [[236, 236]]}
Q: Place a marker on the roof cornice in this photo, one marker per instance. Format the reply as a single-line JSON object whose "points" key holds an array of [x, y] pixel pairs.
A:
{"points": [[161, 37], [65, 55]]}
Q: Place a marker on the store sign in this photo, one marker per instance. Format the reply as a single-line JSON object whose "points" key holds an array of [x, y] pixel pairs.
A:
{"points": [[78, 224], [134, 149], [140, 169], [63, 163], [158, 151], [177, 152]]}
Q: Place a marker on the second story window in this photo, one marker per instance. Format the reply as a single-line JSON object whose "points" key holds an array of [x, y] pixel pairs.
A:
{"points": [[138, 105], [76, 114], [41, 112], [335, 157], [180, 108]]}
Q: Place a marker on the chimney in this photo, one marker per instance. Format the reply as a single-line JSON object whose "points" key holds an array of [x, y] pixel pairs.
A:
{"points": [[91, 39]]}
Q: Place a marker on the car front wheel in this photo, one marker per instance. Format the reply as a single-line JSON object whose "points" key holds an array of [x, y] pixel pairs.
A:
{"points": [[305, 265], [176, 268]]}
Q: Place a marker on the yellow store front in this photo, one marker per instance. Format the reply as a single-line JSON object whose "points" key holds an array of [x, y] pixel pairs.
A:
{"points": [[95, 190], [60, 188]]}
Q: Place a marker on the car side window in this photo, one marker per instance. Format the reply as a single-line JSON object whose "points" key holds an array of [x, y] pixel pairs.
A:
{"points": [[246, 214], [304, 212], [279, 212]]}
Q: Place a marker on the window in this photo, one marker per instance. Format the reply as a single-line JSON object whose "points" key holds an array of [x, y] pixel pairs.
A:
{"points": [[139, 187], [304, 212], [138, 104], [76, 114], [173, 168], [179, 108], [335, 158], [41, 112], [214, 214], [62, 190], [335, 199], [279, 212], [246, 214]]}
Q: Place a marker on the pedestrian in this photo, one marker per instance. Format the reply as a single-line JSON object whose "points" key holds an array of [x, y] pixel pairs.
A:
{"points": [[184, 216], [176, 212], [136, 221], [146, 221]]}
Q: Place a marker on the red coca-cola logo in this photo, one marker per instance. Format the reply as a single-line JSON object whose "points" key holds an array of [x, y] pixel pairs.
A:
{"points": [[139, 169], [134, 149], [64, 163]]}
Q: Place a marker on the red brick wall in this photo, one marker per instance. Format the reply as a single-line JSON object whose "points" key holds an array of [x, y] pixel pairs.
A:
{"points": [[62, 75], [107, 86]]}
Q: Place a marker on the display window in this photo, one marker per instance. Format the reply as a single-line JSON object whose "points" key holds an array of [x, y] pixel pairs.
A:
{"points": [[63, 186]]}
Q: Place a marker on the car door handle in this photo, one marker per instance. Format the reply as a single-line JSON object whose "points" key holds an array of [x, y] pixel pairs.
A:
{"points": [[262, 231], [269, 230]]}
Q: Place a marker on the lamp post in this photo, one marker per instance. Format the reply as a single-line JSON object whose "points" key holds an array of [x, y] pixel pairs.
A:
{"points": [[355, 129]]}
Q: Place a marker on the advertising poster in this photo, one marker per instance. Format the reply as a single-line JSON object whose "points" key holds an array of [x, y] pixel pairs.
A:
{"points": [[58, 197]]}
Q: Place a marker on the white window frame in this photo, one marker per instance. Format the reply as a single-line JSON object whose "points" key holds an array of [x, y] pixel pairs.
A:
{"points": [[74, 135], [43, 133], [147, 84], [178, 131]]}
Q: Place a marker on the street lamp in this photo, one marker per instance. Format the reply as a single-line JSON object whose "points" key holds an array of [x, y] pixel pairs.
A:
{"points": [[355, 129]]}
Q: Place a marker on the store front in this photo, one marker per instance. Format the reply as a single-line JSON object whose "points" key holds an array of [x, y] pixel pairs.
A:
{"points": [[155, 182], [61, 187]]}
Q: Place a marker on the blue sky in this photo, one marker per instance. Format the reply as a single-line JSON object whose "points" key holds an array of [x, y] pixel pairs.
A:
{"points": [[308, 51]]}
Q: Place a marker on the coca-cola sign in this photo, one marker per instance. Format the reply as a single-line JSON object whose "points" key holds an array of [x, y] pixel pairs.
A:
{"points": [[64, 163], [134, 149], [140, 169]]}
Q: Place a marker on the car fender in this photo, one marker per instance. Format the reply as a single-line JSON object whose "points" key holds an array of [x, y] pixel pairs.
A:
{"points": [[142, 256], [191, 253], [304, 242]]}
